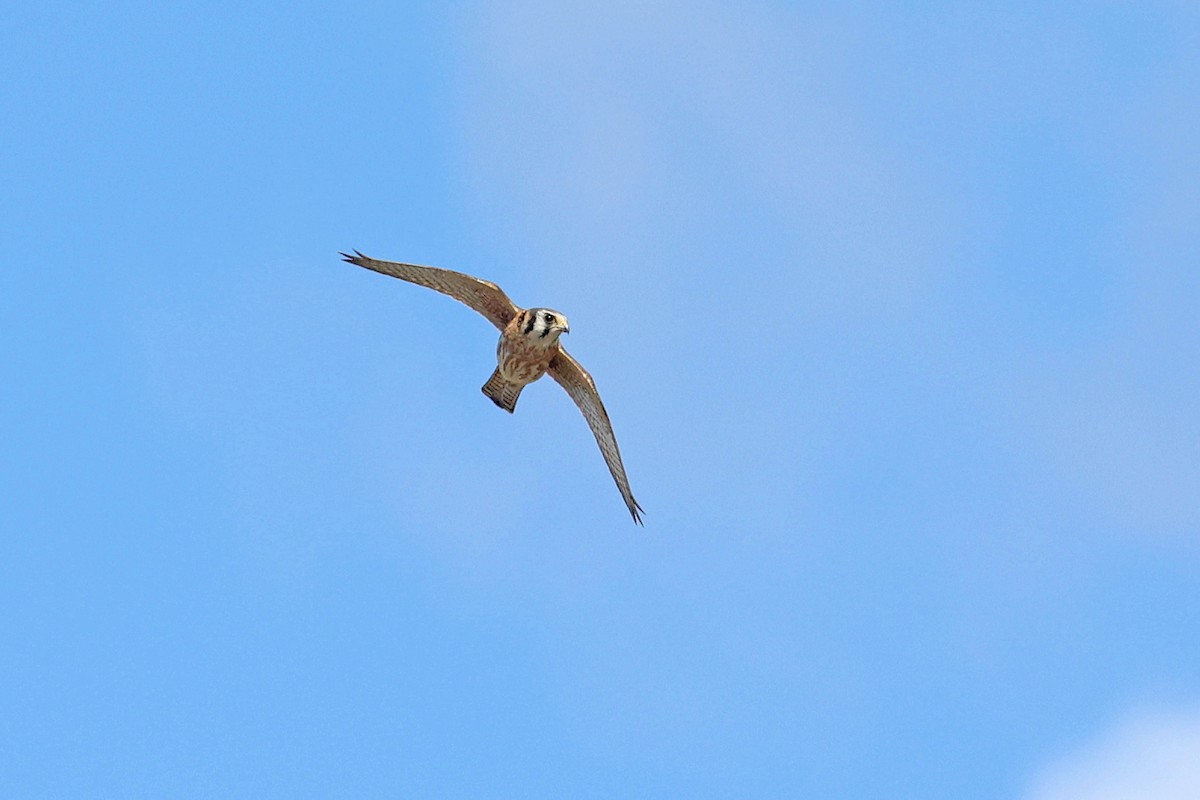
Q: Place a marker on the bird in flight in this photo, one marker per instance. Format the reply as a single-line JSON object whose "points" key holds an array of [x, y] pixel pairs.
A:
{"points": [[528, 349]]}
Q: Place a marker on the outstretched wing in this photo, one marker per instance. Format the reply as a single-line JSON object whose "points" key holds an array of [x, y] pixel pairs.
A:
{"points": [[484, 296], [578, 383]]}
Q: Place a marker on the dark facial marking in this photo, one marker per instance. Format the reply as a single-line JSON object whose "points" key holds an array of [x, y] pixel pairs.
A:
{"points": [[529, 318]]}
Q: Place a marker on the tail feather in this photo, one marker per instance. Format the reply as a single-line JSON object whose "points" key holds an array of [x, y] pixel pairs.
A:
{"points": [[501, 392]]}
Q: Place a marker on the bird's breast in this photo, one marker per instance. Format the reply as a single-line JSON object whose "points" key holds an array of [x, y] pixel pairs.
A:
{"points": [[522, 361]]}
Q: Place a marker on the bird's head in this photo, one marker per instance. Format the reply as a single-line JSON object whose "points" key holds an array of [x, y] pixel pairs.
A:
{"points": [[546, 325]]}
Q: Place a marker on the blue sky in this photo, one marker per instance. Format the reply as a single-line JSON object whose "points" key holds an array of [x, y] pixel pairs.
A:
{"points": [[893, 308]]}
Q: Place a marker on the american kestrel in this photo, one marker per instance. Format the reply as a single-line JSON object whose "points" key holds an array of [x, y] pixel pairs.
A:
{"points": [[527, 350]]}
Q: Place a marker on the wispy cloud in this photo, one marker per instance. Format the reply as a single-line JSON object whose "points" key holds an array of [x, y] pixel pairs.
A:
{"points": [[1119, 410], [634, 138], [718, 164], [1150, 756]]}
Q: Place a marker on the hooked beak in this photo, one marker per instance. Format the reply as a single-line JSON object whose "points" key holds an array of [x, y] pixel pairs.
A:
{"points": [[564, 328]]}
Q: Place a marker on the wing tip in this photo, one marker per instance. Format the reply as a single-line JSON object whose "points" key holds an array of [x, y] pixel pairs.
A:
{"points": [[636, 512], [356, 259]]}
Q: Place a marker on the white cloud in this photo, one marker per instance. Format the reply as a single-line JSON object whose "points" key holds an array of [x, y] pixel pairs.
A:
{"points": [[1146, 757]]}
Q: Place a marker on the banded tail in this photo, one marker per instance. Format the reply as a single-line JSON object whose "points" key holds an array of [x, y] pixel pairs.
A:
{"points": [[501, 392]]}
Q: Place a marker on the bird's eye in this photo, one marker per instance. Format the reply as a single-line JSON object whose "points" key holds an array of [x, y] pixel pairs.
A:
{"points": [[550, 320]]}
